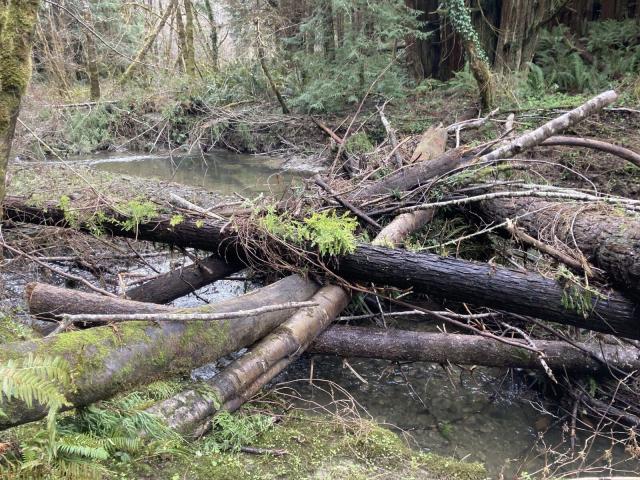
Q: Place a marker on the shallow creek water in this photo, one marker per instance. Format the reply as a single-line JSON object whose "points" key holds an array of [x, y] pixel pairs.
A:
{"points": [[481, 414], [220, 171]]}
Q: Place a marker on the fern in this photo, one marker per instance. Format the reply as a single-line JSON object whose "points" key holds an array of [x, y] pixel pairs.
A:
{"points": [[35, 379]]}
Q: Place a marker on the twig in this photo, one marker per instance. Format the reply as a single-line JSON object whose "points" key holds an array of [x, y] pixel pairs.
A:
{"points": [[549, 250], [58, 271], [276, 452], [183, 317]]}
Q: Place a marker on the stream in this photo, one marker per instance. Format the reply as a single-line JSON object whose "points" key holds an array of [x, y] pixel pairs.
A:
{"points": [[480, 414]]}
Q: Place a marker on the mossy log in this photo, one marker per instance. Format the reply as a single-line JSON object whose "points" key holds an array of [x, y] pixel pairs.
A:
{"points": [[444, 348], [107, 360], [447, 278]]}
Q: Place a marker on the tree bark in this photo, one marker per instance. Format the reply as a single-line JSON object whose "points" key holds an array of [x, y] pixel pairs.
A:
{"points": [[609, 240], [91, 54], [182, 281], [190, 53], [17, 24], [450, 278], [444, 348], [520, 22], [108, 360]]}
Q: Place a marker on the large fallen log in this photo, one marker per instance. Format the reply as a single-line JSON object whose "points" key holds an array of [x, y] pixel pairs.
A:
{"points": [[107, 360], [403, 345], [611, 241], [182, 281], [449, 278], [189, 411]]}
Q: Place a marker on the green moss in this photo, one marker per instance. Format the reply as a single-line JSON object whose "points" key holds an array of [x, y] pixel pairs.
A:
{"points": [[13, 331], [447, 468], [318, 447]]}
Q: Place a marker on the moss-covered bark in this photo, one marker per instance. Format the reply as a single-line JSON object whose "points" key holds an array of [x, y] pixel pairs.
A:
{"points": [[91, 55], [189, 53], [17, 23], [107, 360]]}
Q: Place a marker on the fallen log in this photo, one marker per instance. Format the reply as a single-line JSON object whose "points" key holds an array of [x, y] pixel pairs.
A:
{"points": [[618, 151], [444, 348], [449, 278], [108, 360], [491, 286], [421, 173], [182, 281], [188, 410], [611, 241]]}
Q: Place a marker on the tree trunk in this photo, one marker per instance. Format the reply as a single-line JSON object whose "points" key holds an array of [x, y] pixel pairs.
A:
{"points": [[182, 281], [107, 360], [91, 55], [519, 27], [182, 38], [609, 240], [460, 19], [445, 348], [213, 35], [328, 34], [450, 278], [186, 411], [190, 53], [18, 20]]}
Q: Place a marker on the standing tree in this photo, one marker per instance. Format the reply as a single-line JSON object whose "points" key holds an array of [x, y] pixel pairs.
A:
{"points": [[520, 24], [91, 55], [460, 19], [17, 23]]}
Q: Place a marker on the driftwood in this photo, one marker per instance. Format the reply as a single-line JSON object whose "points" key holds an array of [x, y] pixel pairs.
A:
{"points": [[182, 281], [402, 345], [449, 278], [109, 360], [187, 410]]}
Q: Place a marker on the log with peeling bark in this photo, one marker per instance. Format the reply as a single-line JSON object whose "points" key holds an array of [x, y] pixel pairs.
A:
{"points": [[107, 360], [449, 278], [610, 240], [403, 345], [182, 281]]}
